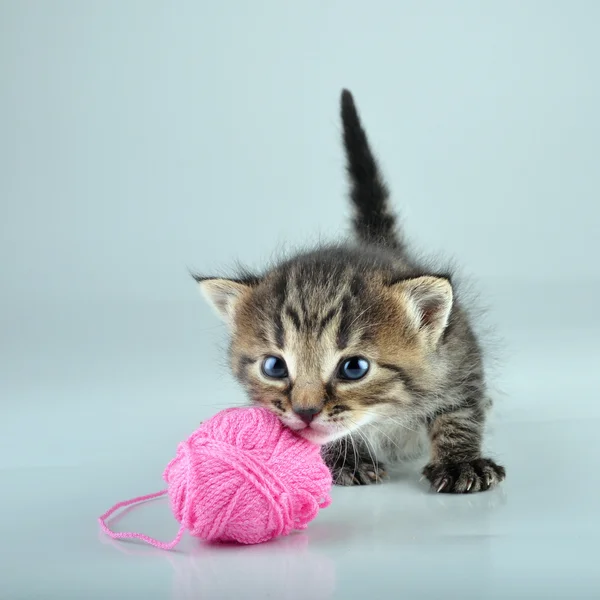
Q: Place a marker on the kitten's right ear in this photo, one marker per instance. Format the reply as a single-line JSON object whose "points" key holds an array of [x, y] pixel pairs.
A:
{"points": [[428, 302], [223, 295]]}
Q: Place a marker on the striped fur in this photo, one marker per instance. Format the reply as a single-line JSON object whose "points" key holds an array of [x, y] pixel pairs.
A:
{"points": [[425, 385]]}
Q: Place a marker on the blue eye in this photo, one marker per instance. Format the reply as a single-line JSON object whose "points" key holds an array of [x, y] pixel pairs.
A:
{"points": [[354, 368], [274, 367]]}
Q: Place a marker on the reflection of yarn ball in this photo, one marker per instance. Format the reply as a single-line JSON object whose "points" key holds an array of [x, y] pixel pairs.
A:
{"points": [[243, 476]]}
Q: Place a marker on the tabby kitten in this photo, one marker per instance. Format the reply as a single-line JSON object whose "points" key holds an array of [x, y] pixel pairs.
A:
{"points": [[361, 349]]}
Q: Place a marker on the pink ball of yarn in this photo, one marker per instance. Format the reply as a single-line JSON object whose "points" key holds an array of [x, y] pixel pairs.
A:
{"points": [[243, 476]]}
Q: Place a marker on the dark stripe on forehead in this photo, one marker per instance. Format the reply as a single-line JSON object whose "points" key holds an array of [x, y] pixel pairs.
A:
{"points": [[294, 317], [326, 320], [279, 332], [303, 306], [263, 333], [299, 288], [309, 318], [279, 293], [343, 336], [356, 286]]}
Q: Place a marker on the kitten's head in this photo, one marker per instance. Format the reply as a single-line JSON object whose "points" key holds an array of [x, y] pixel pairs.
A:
{"points": [[333, 339]]}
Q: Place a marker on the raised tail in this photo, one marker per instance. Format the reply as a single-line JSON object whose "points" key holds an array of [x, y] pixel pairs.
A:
{"points": [[373, 220]]}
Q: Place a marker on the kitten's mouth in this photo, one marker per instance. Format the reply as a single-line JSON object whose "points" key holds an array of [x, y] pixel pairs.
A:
{"points": [[315, 433], [311, 435]]}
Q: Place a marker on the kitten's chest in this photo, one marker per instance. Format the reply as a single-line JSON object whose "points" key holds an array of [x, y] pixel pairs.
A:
{"points": [[392, 443]]}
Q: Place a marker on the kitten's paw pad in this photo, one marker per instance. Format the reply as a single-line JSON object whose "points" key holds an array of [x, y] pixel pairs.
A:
{"points": [[362, 474], [465, 477]]}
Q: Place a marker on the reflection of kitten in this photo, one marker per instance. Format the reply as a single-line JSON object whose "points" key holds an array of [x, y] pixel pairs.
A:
{"points": [[357, 345]]}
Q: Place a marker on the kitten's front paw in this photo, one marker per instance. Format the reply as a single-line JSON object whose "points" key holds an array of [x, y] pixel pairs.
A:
{"points": [[361, 474], [464, 477]]}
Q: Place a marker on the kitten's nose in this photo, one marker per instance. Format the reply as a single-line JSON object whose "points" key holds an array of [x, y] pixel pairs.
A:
{"points": [[307, 414]]}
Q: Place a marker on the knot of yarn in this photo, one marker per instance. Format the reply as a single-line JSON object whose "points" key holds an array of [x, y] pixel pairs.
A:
{"points": [[244, 477]]}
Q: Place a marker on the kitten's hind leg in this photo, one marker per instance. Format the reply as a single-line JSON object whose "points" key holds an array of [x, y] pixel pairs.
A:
{"points": [[352, 462]]}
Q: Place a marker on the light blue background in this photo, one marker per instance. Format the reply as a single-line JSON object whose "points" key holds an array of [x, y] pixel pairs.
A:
{"points": [[139, 139]]}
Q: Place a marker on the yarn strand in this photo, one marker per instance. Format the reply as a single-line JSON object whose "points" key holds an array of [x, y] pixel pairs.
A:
{"points": [[115, 535]]}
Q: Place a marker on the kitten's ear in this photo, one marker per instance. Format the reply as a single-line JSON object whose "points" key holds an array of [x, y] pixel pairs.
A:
{"points": [[428, 302], [224, 296]]}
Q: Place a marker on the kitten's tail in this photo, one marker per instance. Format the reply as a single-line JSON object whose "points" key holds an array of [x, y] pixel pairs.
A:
{"points": [[373, 221]]}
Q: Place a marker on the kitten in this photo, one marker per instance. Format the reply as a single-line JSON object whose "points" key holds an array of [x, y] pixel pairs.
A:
{"points": [[361, 349]]}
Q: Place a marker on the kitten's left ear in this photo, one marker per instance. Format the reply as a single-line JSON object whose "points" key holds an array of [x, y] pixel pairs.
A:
{"points": [[224, 296], [428, 302]]}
